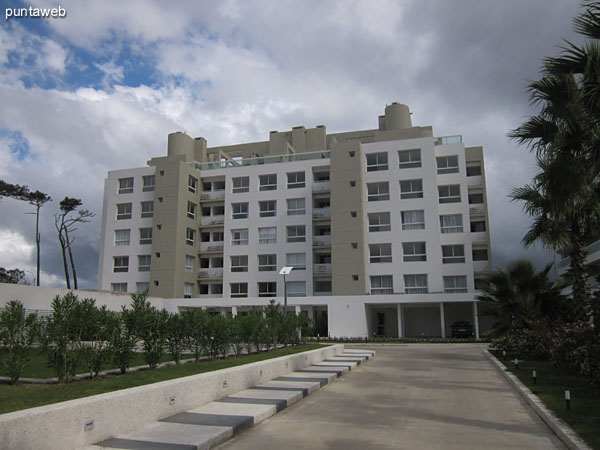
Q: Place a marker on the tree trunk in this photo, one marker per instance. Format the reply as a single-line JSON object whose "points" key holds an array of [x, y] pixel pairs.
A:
{"points": [[64, 256], [578, 270], [71, 259], [37, 242]]}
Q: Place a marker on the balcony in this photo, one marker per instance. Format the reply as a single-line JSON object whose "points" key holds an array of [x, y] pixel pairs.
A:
{"points": [[322, 269], [481, 266], [322, 241], [272, 159], [321, 213], [214, 272], [477, 210], [211, 246], [211, 220], [446, 140], [321, 187], [212, 195], [475, 181]]}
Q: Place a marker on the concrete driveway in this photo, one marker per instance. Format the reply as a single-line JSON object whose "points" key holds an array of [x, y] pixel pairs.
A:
{"points": [[416, 396]]}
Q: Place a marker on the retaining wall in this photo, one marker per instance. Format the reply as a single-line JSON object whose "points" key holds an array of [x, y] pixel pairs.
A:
{"points": [[66, 425]]}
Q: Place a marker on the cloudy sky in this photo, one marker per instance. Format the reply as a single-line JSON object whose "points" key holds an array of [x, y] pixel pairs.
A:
{"points": [[101, 89]]}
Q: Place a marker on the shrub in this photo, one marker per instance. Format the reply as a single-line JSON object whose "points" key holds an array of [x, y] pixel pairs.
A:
{"points": [[17, 336], [122, 339]]}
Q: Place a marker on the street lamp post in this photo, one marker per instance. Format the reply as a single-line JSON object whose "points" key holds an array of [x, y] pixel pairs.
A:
{"points": [[285, 271]]}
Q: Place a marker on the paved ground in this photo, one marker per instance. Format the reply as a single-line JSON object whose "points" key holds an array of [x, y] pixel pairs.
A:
{"points": [[426, 396]]}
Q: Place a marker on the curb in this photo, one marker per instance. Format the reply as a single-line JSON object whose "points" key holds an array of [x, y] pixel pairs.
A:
{"points": [[556, 425]]}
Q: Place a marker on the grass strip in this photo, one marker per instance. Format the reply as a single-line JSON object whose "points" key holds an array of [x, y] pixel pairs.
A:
{"points": [[17, 397], [584, 415]]}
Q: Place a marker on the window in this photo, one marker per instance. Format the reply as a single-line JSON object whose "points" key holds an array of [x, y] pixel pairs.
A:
{"points": [[192, 184], [144, 263], [190, 261], [480, 254], [380, 253], [122, 237], [267, 263], [351, 154], [415, 284], [216, 289], [478, 226], [480, 283], [379, 222], [147, 209], [190, 236], [267, 235], [188, 289], [240, 210], [123, 211], [118, 287], [296, 207], [473, 169], [296, 288], [447, 164], [121, 264], [321, 176], [295, 180], [378, 191], [239, 237], [411, 189], [454, 284], [148, 183], [414, 251], [451, 223], [382, 284], [239, 289], [241, 184], [239, 263], [267, 182], [475, 198], [267, 208], [125, 185], [191, 210], [296, 233], [453, 254], [142, 286], [377, 161], [203, 288], [267, 289], [413, 220], [204, 263], [409, 158], [296, 260], [145, 236], [449, 194]]}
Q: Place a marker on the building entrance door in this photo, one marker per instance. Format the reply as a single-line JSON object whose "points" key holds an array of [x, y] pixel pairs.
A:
{"points": [[380, 324]]}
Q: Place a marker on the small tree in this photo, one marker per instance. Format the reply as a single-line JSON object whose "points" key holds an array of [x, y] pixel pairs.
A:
{"points": [[194, 320], [95, 323], [122, 338], [176, 335], [151, 327], [17, 336], [12, 276], [65, 225]]}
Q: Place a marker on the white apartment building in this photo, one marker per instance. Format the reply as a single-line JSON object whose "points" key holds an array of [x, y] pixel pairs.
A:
{"points": [[388, 227]]}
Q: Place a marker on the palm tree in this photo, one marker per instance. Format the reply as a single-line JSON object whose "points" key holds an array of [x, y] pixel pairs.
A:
{"points": [[520, 297]]}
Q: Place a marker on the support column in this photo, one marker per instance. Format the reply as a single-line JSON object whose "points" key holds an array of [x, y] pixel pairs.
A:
{"points": [[234, 311], [476, 320], [297, 310], [442, 320], [400, 321]]}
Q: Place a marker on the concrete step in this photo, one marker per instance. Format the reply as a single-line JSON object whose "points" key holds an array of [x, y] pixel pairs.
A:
{"points": [[211, 424]]}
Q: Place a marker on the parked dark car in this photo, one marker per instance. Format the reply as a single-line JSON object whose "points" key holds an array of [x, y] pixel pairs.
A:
{"points": [[462, 329]]}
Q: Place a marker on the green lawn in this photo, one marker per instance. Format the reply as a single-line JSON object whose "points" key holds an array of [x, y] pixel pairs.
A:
{"points": [[14, 398], [38, 364], [584, 416]]}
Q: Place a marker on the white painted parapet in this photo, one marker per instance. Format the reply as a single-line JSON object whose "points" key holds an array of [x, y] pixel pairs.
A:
{"points": [[78, 423]]}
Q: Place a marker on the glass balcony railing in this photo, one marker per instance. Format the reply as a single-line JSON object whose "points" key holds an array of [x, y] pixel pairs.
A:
{"points": [[444, 140], [260, 160]]}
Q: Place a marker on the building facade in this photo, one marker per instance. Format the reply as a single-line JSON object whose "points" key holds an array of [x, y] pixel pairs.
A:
{"points": [[391, 214]]}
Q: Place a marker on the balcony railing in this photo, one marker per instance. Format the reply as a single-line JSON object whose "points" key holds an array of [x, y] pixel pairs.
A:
{"points": [[211, 246], [215, 272], [476, 210], [212, 220], [321, 186], [444, 140], [322, 241], [259, 161], [321, 213], [212, 195], [481, 266], [322, 269]]}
